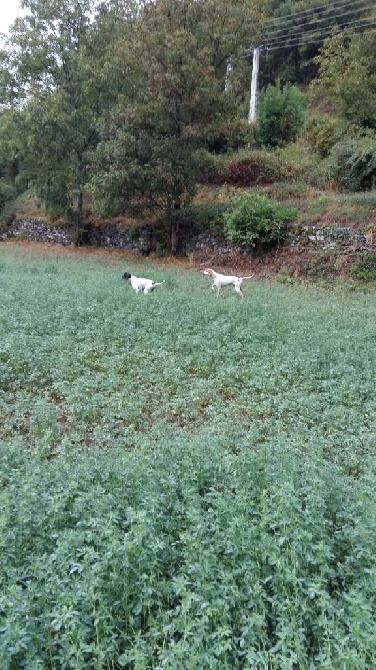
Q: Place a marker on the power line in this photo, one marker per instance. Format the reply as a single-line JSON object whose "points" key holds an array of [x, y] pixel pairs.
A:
{"points": [[315, 9], [290, 40], [294, 40], [325, 18], [356, 24], [319, 38]]}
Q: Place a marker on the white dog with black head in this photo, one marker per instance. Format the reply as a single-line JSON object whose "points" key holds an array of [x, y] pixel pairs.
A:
{"points": [[140, 283]]}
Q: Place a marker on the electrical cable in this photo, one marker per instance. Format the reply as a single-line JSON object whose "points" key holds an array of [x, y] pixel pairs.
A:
{"points": [[299, 41], [315, 9], [355, 24], [326, 18]]}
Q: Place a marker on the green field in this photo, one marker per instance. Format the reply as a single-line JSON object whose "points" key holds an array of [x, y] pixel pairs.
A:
{"points": [[186, 483]]}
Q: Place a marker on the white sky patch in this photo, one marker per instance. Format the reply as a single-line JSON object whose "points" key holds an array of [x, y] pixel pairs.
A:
{"points": [[9, 11]]}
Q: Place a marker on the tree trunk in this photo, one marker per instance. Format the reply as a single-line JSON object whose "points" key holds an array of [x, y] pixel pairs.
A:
{"points": [[174, 238], [174, 229], [80, 227], [80, 208], [80, 232]]}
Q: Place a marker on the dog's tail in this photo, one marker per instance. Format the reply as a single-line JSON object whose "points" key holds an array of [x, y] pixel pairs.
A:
{"points": [[248, 277], [158, 283]]}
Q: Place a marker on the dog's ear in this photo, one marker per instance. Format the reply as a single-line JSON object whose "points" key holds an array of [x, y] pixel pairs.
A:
{"points": [[126, 275]]}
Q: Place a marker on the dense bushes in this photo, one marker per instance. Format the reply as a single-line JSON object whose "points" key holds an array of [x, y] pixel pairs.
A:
{"points": [[202, 216], [353, 162], [281, 114], [365, 268], [322, 133], [7, 195], [256, 221]]}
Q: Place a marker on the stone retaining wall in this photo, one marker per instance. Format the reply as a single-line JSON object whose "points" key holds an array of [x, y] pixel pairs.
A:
{"points": [[143, 240]]}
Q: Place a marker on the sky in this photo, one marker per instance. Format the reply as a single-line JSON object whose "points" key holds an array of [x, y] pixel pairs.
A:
{"points": [[10, 9]]}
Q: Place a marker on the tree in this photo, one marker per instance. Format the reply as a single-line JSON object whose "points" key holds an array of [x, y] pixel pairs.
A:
{"points": [[56, 70], [150, 156], [347, 77], [10, 149], [281, 114]]}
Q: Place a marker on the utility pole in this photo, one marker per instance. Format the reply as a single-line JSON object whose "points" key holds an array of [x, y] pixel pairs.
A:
{"points": [[254, 83], [229, 69]]}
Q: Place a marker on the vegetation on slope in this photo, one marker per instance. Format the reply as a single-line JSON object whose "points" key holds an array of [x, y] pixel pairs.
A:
{"points": [[123, 108]]}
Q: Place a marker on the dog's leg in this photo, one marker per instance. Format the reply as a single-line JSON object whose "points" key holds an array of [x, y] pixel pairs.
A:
{"points": [[238, 289]]}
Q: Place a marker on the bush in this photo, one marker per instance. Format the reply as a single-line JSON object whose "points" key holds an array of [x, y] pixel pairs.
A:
{"points": [[322, 133], [7, 211], [256, 221], [281, 114], [225, 136], [353, 162], [365, 268]]}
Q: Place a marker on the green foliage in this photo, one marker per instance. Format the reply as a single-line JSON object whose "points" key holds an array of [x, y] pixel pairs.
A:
{"points": [[323, 132], [183, 509], [200, 217], [245, 168], [353, 162], [210, 504], [301, 26], [365, 268], [151, 156], [56, 74], [347, 77], [7, 214], [281, 114], [221, 137], [256, 221], [7, 192]]}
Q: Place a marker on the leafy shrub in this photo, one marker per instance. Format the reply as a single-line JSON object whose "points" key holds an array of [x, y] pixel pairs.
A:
{"points": [[227, 135], [281, 114], [365, 268], [353, 162], [7, 215], [7, 194], [302, 164], [322, 133], [255, 220]]}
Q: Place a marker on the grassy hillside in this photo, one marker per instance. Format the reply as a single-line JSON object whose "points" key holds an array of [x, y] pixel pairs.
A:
{"points": [[186, 482]]}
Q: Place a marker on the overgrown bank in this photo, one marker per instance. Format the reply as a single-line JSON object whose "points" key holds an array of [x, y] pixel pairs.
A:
{"points": [[332, 235]]}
